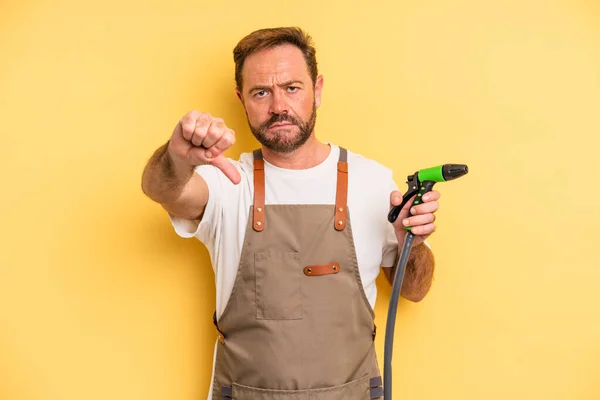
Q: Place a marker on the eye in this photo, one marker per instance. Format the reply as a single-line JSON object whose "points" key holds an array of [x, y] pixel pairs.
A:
{"points": [[261, 93], [293, 88]]}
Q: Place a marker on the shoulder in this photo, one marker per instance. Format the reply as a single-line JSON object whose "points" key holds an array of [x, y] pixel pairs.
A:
{"points": [[245, 162], [368, 169]]}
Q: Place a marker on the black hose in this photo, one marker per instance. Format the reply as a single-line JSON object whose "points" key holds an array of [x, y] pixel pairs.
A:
{"points": [[391, 316]]}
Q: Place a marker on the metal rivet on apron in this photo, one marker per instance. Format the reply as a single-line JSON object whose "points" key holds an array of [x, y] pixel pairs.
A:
{"points": [[340, 222], [258, 223], [259, 209], [309, 270], [340, 209], [335, 267]]}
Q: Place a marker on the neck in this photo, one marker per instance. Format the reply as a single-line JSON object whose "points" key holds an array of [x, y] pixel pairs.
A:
{"points": [[310, 154]]}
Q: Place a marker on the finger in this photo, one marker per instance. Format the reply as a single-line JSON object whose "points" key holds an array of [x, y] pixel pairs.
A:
{"points": [[419, 220], [404, 212], [202, 124], [215, 131], [228, 169], [425, 208], [395, 198], [225, 142], [434, 195], [423, 230], [188, 124]]}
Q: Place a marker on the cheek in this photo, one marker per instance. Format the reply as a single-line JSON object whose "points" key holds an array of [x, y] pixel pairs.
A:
{"points": [[305, 106], [256, 113]]}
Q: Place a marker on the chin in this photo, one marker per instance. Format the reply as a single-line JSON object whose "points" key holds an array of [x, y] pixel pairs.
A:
{"points": [[284, 134]]}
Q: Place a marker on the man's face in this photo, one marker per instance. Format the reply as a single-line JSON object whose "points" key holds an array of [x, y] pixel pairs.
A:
{"points": [[279, 97]]}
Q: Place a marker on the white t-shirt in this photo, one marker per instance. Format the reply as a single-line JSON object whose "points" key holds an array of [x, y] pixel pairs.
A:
{"points": [[223, 225]]}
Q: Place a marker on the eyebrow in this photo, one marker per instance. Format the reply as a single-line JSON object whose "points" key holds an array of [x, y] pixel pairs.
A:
{"points": [[288, 83]]}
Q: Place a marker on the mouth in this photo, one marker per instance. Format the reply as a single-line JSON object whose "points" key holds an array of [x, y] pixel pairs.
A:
{"points": [[281, 125]]}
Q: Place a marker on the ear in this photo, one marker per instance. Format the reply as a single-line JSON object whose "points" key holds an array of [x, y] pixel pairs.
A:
{"points": [[239, 95], [318, 90]]}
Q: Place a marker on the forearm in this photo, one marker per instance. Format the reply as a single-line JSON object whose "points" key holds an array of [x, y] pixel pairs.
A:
{"points": [[418, 274], [163, 180]]}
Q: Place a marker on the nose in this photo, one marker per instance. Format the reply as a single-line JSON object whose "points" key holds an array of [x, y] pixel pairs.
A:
{"points": [[279, 104]]}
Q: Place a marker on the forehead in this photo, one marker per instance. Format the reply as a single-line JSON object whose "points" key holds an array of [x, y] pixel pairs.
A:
{"points": [[280, 63]]}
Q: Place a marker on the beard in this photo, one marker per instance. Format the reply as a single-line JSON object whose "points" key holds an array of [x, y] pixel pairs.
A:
{"points": [[284, 140]]}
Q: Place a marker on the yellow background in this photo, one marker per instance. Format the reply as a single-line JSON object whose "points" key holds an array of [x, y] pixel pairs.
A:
{"points": [[99, 299]]}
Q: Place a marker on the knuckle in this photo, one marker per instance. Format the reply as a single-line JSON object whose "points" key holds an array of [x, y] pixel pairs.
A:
{"points": [[192, 116], [215, 126], [186, 129], [215, 130], [230, 138], [186, 121], [225, 142], [200, 134], [204, 118]]}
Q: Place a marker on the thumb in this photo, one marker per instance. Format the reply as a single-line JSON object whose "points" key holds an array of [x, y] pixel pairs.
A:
{"points": [[405, 212], [395, 198], [227, 168]]}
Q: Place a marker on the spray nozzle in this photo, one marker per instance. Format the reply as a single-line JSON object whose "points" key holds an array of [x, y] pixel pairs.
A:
{"points": [[442, 173], [422, 182], [453, 171]]}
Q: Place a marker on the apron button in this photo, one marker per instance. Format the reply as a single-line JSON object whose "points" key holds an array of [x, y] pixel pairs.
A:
{"points": [[258, 223], [340, 209], [309, 271], [259, 209], [340, 222]]}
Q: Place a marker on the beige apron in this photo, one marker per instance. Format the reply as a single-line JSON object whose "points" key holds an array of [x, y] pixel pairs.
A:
{"points": [[297, 325]]}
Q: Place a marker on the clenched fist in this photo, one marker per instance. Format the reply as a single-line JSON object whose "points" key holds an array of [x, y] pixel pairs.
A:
{"points": [[200, 139]]}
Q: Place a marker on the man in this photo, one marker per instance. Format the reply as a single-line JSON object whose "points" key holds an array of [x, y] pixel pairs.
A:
{"points": [[296, 231]]}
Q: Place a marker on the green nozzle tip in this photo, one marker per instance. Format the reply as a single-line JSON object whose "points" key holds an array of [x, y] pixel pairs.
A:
{"points": [[442, 173], [432, 174]]}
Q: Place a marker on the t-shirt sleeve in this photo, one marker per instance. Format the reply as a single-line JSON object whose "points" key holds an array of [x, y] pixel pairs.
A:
{"points": [[390, 248], [204, 231], [390, 245]]}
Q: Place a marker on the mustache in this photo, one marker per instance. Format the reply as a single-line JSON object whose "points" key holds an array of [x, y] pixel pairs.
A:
{"points": [[280, 118]]}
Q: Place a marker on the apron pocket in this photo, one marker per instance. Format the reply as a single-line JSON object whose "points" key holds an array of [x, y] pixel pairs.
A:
{"points": [[278, 292], [354, 390]]}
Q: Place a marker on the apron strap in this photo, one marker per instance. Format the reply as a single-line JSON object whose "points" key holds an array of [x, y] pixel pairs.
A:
{"points": [[341, 195], [258, 220], [226, 392], [376, 387]]}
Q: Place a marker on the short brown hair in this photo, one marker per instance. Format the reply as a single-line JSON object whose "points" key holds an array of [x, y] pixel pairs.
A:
{"points": [[263, 39]]}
